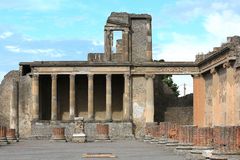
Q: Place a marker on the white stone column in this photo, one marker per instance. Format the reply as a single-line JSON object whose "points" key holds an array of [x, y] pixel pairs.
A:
{"points": [[72, 102], [149, 111], [14, 105], [90, 97], [35, 96], [108, 97], [126, 98], [54, 97]]}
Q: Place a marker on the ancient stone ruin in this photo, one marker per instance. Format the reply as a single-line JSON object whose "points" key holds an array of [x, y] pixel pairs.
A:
{"points": [[120, 89]]}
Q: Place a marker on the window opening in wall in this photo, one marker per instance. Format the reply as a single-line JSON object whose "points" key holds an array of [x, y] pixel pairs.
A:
{"points": [[117, 42]]}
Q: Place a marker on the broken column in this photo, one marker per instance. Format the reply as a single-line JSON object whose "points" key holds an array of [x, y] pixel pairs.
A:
{"points": [[102, 132], [3, 138], [58, 134], [11, 135]]}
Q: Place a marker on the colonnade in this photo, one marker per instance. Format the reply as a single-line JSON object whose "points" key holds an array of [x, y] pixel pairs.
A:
{"points": [[72, 97]]}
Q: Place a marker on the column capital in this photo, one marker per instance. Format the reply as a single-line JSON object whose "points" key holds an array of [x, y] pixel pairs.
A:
{"points": [[213, 70], [72, 75], [197, 75], [147, 76], [108, 76], [127, 76], [35, 76], [54, 76], [90, 76], [226, 65]]}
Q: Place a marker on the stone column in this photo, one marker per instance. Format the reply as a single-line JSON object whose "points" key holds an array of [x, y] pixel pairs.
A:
{"points": [[230, 110], [125, 44], [35, 96], [149, 41], [216, 109], [126, 98], [90, 97], [108, 98], [14, 105], [72, 97], [54, 98], [107, 44], [199, 100], [149, 110]]}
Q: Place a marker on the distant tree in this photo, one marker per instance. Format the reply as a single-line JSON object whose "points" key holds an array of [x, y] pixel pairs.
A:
{"points": [[167, 79]]}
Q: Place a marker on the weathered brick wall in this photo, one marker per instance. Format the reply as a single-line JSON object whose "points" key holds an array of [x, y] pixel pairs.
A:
{"points": [[180, 115], [6, 88]]}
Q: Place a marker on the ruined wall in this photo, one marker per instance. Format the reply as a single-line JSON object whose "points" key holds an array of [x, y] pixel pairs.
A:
{"points": [[6, 88], [179, 115], [237, 93], [138, 104], [25, 105], [139, 40]]}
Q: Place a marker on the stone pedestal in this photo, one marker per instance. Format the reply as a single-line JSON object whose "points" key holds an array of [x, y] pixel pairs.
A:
{"points": [[11, 135], [102, 132], [58, 134], [79, 136], [3, 138]]}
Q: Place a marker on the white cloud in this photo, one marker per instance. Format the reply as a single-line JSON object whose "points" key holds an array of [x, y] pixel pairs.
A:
{"points": [[47, 52], [223, 24], [5, 35]]}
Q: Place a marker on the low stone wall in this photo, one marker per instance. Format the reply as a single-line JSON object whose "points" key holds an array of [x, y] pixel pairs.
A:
{"points": [[224, 140], [117, 130]]}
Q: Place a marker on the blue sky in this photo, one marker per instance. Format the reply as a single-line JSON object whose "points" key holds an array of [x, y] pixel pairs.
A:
{"points": [[69, 29]]}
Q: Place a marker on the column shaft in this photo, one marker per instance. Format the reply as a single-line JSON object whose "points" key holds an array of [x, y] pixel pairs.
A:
{"points": [[54, 98], [35, 96], [72, 97], [108, 44], [125, 45], [149, 98], [90, 97], [126, 98], [108, 98]]}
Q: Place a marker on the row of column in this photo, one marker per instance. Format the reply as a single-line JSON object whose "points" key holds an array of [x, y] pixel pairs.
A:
{"points": [[72, 100]]}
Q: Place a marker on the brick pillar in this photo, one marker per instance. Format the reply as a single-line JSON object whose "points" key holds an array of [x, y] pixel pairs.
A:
{"points": [[199, 100], [108, 44], [58, 134], [11, 135], [102, 131], [3, 138], [125, 44]]}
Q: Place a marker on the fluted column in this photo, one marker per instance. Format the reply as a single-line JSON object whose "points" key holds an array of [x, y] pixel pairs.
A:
{"points": [[108, 97], [72, 97], [35, 96], [54, 97], [90, 97], [149, 111], [126, 98]]}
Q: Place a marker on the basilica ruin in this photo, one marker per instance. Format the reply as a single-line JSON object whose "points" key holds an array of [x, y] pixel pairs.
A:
{"points": [[119, 88]]}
